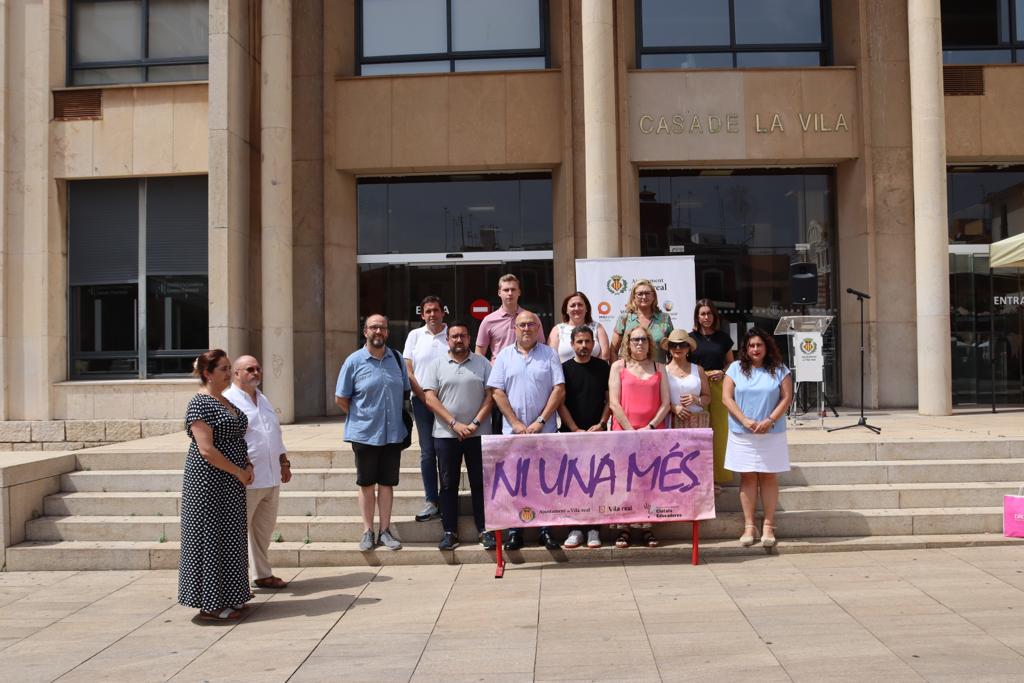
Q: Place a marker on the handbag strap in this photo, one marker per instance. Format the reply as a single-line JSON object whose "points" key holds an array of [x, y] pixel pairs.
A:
{"points": [[401, 365]]}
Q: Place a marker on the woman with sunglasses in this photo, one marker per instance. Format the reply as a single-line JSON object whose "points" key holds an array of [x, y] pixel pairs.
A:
{"points": [[642, 311], [714, 353], [687, 383], [638, 397], [757, 391]]}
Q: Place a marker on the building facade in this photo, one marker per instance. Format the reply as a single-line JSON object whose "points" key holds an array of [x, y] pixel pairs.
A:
{"points": [[260, 175]]}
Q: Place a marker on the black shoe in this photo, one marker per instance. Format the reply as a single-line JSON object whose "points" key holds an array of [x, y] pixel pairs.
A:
{"points": [[547, 540], [487, 540], [450, 541], [514, 541]]}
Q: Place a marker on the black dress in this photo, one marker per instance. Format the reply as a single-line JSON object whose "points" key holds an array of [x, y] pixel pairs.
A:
{"points": [[213, 573]]}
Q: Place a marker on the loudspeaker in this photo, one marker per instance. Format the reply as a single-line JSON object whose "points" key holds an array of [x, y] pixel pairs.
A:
{"points": [[803, 283]]}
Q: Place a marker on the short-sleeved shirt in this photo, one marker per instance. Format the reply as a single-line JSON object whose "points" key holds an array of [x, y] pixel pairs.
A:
{"points": [[527, 381], [374, 389], [661, 325], [498, 330], [711, 350], [586, 391], [461, 387], [263, 436], [756, 395], [422, 348]]}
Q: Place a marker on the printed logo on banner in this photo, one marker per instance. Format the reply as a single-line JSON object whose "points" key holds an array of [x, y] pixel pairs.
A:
{"points": [[604, 308], [527, 515], [617, 284], [667, 306], [808, 345]]}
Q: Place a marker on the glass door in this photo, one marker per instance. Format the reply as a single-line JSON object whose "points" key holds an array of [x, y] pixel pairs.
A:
{"points": [[468, 289], [987, 321]]}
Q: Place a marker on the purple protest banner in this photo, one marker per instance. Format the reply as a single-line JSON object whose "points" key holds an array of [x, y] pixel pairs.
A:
{"points": [[662, 475]]}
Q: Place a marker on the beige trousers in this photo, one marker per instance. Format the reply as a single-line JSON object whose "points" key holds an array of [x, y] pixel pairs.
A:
{"points": [[261, 515]]}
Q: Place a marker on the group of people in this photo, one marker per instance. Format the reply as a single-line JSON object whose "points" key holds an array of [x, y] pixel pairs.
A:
{"points": [[647, 375]]}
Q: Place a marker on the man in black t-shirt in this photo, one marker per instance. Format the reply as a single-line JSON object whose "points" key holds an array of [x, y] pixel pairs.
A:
{"points": [[586, 405]]}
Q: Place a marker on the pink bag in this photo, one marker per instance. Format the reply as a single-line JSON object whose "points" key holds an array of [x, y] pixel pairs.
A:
{"points": [[1013, 515]]}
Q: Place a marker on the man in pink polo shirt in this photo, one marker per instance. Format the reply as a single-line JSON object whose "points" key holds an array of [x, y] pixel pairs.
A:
{"points": [[498, 329]]}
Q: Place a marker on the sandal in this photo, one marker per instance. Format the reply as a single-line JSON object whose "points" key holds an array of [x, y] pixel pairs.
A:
{"points": [[622, 540], [768, 535], [649, 540], [226, 614], [747, 540], [272, 582]]}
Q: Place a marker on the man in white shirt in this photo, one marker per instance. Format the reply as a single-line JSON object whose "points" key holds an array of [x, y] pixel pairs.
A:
{"points": [[423, 346], [270, 463]]}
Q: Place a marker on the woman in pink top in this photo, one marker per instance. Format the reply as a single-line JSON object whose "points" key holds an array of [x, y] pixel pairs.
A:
{"points": [[638, 397]]}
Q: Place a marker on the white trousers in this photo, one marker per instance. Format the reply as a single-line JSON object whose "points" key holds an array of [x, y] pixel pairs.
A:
{"points": [[261, 515]]}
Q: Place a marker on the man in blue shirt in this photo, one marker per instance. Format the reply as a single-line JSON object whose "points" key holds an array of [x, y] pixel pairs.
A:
{"points": [[528, 385], [370, 387]]}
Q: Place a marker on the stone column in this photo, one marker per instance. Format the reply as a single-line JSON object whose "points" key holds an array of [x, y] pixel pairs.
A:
{"points": [[599, 123], [3, 206], [276, 206], [931, 250]]}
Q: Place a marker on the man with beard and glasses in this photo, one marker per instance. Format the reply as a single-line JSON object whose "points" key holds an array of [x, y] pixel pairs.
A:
{"points": [[528, 386], [370, 388], [456, 392]]}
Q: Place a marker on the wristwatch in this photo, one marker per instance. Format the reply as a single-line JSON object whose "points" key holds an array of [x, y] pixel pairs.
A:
{"points": [[539, 419], [475, 422], [451, 422]]}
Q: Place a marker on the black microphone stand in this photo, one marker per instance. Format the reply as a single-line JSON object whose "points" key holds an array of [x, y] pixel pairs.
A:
{"points": [[862, 422]]}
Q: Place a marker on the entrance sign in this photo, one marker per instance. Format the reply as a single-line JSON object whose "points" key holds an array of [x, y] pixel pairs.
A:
{"points": [[606, 282], [662, 475]]}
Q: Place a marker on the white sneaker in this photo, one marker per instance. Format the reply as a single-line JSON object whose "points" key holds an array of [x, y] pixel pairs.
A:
{"points": [[593, 538], [575, 539]]}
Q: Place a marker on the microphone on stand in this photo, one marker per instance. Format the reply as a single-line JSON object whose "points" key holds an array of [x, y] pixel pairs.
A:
{"points": [[851, 290]]}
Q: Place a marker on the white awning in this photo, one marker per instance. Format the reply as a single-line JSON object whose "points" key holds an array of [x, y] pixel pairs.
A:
{"points": [[1008, 253]]}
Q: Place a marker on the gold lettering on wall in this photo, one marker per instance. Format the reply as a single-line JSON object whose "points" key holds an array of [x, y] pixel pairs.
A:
{"points": [[689, 123]]}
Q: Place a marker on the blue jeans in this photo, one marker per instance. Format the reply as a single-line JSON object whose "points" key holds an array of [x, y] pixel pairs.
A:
{"points": [[428, 455]]}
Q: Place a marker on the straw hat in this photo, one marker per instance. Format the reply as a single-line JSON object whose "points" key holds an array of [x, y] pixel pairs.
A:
{"points": [[676, 336]]}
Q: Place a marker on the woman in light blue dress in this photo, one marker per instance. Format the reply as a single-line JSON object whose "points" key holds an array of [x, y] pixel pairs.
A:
{"points": [[757, 391]]}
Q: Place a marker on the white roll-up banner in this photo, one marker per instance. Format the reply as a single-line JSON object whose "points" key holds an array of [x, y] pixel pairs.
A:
{"points": [[607, 282]]}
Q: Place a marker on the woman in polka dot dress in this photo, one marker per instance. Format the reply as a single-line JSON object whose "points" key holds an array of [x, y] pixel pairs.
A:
{"points": [[213, 573]]}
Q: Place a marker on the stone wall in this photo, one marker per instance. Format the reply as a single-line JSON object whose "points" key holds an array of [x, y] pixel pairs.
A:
{"points": [[73, 435]]}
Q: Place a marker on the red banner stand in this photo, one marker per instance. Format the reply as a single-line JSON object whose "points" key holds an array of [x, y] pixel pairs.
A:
{"points": [[499, 557]]}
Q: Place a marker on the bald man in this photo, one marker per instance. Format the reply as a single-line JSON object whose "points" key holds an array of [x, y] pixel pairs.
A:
{"points": [[270, 463]]}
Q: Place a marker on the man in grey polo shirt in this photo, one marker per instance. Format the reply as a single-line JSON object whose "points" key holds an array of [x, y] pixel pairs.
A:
{"points": [[455, 387]]}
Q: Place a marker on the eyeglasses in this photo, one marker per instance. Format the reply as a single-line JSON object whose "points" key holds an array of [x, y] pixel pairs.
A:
{"points": [[525, 326], [640, 294], [377, 327], [678, 345], [638, 340], [254, 369]]}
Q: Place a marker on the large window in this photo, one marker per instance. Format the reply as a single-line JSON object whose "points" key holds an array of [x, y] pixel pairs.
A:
{"points": [[701, 34], [137, 41], [982, 31], [429, 36], [985, 204], [137, 276], [465, 213], [745, 229]]}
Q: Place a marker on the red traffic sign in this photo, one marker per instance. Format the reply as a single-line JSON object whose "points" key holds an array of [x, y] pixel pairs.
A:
{"points": [[479, 309]]}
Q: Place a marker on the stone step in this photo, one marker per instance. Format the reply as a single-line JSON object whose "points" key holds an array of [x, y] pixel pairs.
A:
{"points": [[120, 459], [904, 472], [348, 528], [110, 555]]}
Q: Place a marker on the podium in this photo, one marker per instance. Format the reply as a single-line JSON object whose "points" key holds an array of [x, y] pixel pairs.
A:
{"points": [[806, 352]]}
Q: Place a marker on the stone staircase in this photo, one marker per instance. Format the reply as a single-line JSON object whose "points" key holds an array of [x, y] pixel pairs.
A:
{"points": [[120, 509]]}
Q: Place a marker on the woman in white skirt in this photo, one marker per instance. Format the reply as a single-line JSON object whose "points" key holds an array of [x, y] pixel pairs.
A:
{"points": [[757, 391]]}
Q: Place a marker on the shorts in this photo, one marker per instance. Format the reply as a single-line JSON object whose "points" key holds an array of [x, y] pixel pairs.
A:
{"points": [[377, 464]]}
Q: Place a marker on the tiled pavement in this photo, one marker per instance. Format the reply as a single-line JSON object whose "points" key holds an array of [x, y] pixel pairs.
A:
{"points": [[951, 614]]}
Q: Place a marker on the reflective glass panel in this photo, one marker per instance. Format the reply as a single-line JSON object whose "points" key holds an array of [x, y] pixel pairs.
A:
{"points": [[184, 72], [392, 68], [499, 64], [455, 214], [107, 31], [104, 330], [975, 23], [984, 206], [104, 76], [977, 57], [775, 59], [685, 22], [404, 27], [177, 320], [760, 22], [694, 60], [495, 25], [178, 28]]}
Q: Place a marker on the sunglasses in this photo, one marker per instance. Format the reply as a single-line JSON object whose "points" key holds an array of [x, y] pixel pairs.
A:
{"points": [[678, 345], [638, 340], [254, 369]]}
